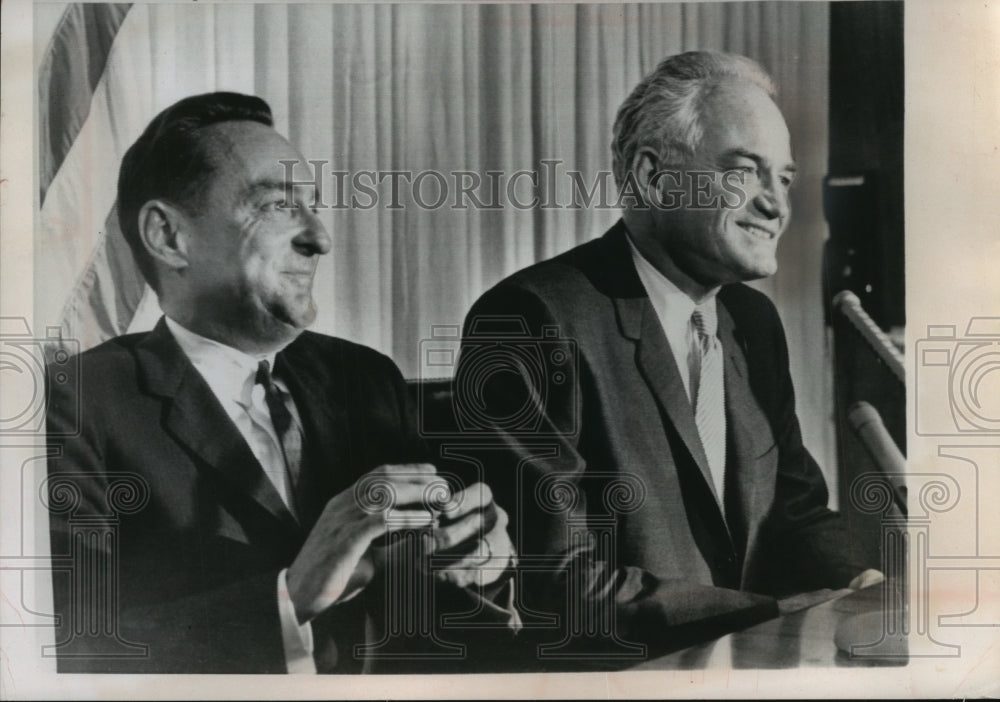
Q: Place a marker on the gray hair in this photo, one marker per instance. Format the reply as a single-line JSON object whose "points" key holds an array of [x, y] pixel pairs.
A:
{"points": [[663, 112]]}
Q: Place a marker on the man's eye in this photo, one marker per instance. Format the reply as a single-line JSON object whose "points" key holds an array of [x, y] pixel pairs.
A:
{"points": [[787, 181], [745, 171], [277, 206]]}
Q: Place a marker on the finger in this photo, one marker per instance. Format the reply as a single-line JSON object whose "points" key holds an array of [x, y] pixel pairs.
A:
{"points": [[503, 519], [459, 536], [476, 566], [484, 564], [402, 520], [362, 511], [460, 577], [388, 493], [488, 517], [398, 519], [414, 472], [474, 498], [806, 600], [866, 579]]}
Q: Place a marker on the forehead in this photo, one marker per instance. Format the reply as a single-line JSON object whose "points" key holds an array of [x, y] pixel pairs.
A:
{"points": [[248, 152], [743, 116]]}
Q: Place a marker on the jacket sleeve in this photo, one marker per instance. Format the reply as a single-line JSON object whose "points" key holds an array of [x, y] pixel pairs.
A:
{"points": [[521, 398], [801, 529]]}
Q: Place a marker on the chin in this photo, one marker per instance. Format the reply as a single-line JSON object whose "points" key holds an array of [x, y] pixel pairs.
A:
{"points": [[297, 312], [299, 320], [760, 268], [749, 273], [764, 272], [279, 326]]}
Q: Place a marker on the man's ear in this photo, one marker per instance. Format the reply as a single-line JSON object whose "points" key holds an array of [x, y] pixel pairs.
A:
{"points": [[162, 228], [645, 164]]}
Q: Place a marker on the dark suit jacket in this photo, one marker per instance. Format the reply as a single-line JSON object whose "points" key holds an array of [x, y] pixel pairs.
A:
{"points": [[609, 434], [198, 542]]}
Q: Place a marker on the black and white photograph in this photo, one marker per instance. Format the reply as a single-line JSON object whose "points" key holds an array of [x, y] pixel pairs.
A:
{"points": [[523, 349]]}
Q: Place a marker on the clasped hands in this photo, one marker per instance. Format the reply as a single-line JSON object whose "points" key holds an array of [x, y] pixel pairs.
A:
{"points": [[346, 547]]}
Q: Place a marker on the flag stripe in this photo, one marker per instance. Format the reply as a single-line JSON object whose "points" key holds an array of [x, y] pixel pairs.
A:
{"points": [[107, 295], [69, 73], [109, 69], [85, 282]]}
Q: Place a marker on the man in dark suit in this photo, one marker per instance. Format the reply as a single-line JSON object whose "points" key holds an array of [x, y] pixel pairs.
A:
{"points": [[221, 487], [648, 448]]}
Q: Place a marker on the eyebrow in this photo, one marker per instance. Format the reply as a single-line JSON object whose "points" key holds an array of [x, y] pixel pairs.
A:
{"points": [[787, 168], [261, 186], [267, 185]]}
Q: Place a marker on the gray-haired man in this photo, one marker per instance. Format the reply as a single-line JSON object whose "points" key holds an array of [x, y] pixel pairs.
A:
{"points": [[678, 419]]}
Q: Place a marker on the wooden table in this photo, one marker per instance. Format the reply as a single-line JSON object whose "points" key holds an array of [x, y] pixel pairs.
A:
{"points": [[803, 639]]}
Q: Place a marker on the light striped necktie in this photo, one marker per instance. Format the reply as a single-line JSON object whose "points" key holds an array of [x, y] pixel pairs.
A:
{"points": [[709, 393]]}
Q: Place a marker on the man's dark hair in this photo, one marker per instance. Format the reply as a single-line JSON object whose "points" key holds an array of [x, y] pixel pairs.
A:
{"points": [[171, 161]]}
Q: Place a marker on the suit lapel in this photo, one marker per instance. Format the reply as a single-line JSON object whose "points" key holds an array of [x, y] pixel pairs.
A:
{"points": [[659, 368], [751, 457], [197, 421], [656, 362]]}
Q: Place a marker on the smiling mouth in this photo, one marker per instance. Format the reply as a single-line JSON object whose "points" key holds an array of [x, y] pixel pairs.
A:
{"points": [[757, 231], [301, 276]]}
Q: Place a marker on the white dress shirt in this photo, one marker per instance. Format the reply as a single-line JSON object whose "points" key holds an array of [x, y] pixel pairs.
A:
{"points": [[230, 375], [673, 308]]}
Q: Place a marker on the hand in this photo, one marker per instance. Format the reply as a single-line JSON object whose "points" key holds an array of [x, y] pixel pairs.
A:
{"points": [[335, 562], [475, 535], [805, 600], [866, 579]]}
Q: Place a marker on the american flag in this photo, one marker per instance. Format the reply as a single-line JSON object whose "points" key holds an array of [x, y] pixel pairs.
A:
{"points": [[107, 70]]}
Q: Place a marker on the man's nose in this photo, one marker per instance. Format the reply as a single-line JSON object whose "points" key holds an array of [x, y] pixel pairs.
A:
{"points": [[313, 238], [772, 201]]}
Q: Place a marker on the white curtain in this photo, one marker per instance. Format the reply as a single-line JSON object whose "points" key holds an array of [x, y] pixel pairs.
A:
{"points": [[451, 87]]}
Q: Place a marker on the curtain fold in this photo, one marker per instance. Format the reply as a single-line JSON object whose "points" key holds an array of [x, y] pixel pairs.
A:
{"points": [[430, 88]]}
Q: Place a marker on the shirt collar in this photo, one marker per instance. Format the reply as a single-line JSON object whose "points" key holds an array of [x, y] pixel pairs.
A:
{"points": [[671, 304], [228, 371]]}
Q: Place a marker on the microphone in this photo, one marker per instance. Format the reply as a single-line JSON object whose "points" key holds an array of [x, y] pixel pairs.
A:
{"points": [[867, 425], [850, 306]]}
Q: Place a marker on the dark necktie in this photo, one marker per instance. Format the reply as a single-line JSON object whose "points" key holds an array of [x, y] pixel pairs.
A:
{"points": [[287, 431]]}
